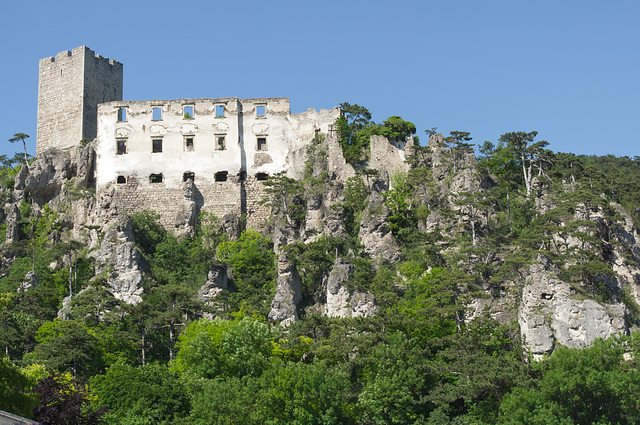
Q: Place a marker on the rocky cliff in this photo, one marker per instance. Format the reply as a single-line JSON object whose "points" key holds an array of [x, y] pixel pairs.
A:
{"points": [[451, 200]]}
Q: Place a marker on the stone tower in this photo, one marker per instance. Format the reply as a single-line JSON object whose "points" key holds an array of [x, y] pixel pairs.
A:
{"points": [[70, 87]]}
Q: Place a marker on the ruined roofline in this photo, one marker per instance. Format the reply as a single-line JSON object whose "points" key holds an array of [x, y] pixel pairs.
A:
{"points": [[66, 54], [204, 99], [317, 111], [264, 99], [166, 101]]}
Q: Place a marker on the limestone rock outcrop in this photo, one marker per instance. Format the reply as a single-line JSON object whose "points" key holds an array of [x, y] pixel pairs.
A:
{"points": [[288, 294], [217, 281], [30, 281], [120, 261], [550, 314], [375, 233], [342, 301]]}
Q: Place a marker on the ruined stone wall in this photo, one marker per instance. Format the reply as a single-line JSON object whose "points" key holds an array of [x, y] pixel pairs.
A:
{"points": [[256, 214], [260, 135], [388, 155], [70, 86], [220, 198]]}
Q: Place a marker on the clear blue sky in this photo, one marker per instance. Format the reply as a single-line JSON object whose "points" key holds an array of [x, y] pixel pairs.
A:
{"points": [[568, 69]]}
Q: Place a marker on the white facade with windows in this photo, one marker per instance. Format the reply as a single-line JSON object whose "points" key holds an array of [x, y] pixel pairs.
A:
{"points": [[201, 138]]}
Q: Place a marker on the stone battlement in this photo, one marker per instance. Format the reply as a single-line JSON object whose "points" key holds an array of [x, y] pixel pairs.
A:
{"points": [[83, 51]]}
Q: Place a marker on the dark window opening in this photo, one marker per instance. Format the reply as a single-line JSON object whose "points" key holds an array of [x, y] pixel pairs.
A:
{"points": [[156, 178], [261, 110], [122, 114], [262, 176], [262, 143], [122, 147], [221, 176], [219, 111], [189, 176], [156, 114], [188, 112], [242, 175], [188, 144], [121, 180], [317, 131], [157, 146], [220, 144]]}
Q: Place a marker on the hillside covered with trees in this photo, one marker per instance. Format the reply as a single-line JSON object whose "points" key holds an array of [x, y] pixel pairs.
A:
{"points": [[452, 289]]}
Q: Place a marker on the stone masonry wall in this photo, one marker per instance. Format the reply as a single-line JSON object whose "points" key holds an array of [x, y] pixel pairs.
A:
{"points": [[102, 83], [219, 198], [70, 86]]}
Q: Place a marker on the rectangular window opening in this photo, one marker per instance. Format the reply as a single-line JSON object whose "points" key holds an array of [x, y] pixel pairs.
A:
{"points": [[220, 143], [156, 178], [189, 144], [157, 146], [188, 175], [221, 176], [261, 110], [156, 114], [219, 111], [121, 180], [262, 176], [262, 144], [188, 112], [122, 114], [121, 147]]}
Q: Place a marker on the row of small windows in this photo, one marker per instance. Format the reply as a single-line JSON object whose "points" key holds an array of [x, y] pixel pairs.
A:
{"points": [[188, 112], [220, 176], [189, 144]]}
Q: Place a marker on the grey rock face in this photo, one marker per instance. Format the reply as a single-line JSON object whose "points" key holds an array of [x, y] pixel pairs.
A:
{"points": [[288, 294], [52, 169], [122, 263], [375, 234], [13, 215], [217, 281], [342, 302], [187, 214], [31, 281], [549, 315]]}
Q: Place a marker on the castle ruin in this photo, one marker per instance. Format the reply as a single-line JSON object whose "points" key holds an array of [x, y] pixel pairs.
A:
{"points": [[175, 157]]}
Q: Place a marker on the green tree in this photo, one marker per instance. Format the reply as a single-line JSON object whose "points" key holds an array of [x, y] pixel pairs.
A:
{"points": [[285, 194], [357, 117], [527, 152], [458, 146], [213, 348], [150, 394], [21, 137], [14, 390], [253, 264], [303, 394], [395, 128], [586, 386], [67, 345], [396, 384], [399, 201]]}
